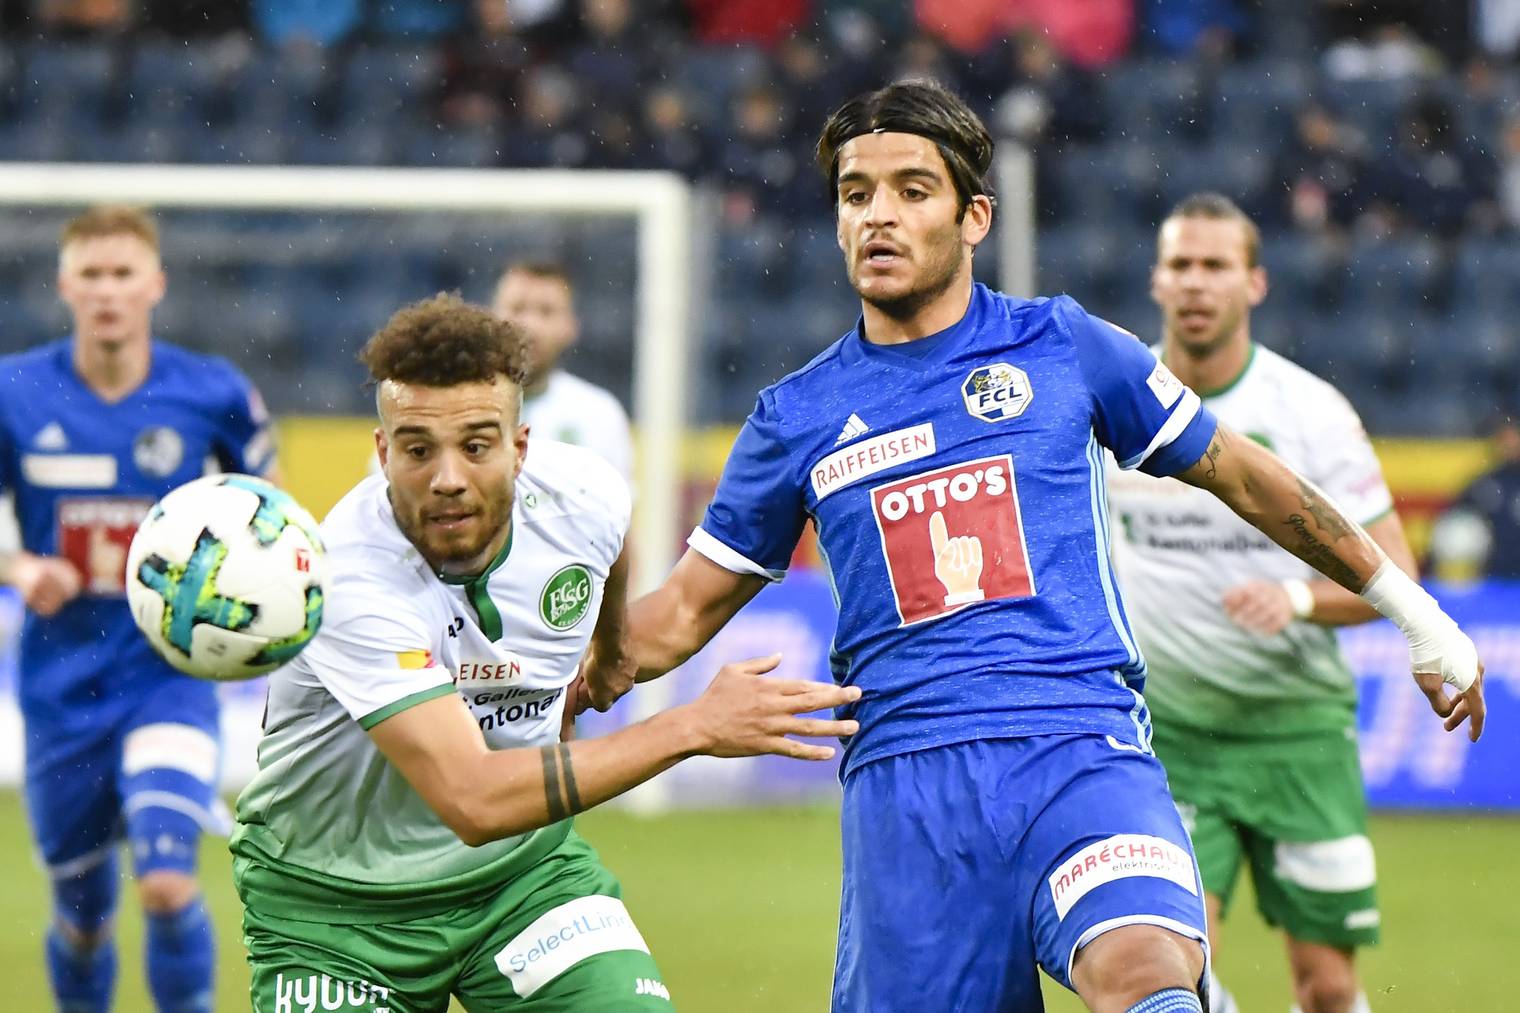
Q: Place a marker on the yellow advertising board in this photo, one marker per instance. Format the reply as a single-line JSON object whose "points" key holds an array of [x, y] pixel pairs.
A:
{"points": [[324, 456]]}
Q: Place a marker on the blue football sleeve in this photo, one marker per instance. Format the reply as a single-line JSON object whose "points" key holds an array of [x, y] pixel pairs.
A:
{"points": [[1141, 412], [756, 515], [244, 438]]}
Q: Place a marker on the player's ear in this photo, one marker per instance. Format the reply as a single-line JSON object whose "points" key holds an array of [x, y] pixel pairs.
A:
{"points": [[520, 441], [382, 448], [1257, 285], [976, 222]]}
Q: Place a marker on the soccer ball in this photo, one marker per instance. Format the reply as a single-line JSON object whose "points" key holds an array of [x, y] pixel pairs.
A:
{"points": [[224, 577]]}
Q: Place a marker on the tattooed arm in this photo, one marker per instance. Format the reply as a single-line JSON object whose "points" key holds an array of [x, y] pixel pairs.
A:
{"points": [[1294, 514], [1258, 486], [485, 794]]}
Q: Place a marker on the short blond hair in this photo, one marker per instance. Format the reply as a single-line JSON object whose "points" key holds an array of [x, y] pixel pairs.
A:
{"points": [[111, 220], [1219, 208]]}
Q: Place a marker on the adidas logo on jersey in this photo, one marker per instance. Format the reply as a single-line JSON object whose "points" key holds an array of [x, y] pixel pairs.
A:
{"points": [[853, 427], [51, 437]]}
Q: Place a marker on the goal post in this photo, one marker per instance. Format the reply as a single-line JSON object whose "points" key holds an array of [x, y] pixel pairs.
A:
{"points": [[659, 202]]}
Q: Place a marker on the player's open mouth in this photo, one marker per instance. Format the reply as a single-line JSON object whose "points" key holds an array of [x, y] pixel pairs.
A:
{"points": [[450, 522], [880, 253]]}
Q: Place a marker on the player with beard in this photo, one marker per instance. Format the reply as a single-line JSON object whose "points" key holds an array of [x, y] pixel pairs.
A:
{"points": [[1253, 703], [1002, 809], [408, 835]]}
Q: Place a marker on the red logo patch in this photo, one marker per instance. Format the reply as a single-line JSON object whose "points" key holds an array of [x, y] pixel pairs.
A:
{"points": [[303, 561], [94, 533], [952, 537]]}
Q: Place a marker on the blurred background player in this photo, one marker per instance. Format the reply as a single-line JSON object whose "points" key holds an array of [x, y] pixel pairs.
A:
{"points": [[428, 849], [1003, 741], [1480, 534], [538, 297], [1252, 702], [93, 429]]}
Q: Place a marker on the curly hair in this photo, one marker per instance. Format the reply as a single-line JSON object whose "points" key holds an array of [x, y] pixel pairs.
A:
{"points": [[443, 342], [925, 109]]}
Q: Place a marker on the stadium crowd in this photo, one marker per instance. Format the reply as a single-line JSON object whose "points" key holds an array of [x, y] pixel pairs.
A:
{"points": [[1378, 144]]}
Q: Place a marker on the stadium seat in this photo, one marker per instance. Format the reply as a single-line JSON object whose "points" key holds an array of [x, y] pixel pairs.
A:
{"points": [[70, 82], [1157, 100], [1391, 276], [384, 86], [1258, 99], [1238, 172]]}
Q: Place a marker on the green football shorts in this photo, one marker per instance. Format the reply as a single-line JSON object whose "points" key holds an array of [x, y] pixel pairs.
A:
{"points": [[1295, 813], [555, 939]]}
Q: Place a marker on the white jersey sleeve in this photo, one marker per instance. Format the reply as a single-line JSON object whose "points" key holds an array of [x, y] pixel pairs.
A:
{"points": [[1342, 461], [374, 654]]}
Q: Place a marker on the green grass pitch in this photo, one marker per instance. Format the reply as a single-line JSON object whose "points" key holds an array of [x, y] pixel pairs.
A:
{"points": [[739, 908]]}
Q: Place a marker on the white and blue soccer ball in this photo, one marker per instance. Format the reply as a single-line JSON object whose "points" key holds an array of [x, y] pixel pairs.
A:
{"points": [[224, 577]]}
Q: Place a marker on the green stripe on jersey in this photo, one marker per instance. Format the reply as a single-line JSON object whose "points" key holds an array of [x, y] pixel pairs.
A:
{"points": [[475, 589], [373, 718]]}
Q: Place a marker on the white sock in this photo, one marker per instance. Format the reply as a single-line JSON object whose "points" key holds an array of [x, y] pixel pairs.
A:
{"points": [[1361, 1005], [1220, 1000]]}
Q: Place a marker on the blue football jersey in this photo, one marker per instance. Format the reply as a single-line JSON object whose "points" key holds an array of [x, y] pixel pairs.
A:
{"points": [[956, 486], [83, 473]]}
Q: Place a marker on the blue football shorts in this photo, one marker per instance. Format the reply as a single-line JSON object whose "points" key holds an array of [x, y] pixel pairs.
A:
{"points": [[969, 866], [147, 772]]}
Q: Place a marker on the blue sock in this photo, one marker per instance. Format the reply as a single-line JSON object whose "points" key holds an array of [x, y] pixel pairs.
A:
{"points": [[82, 979], [1168, 1000], [180, 959]]}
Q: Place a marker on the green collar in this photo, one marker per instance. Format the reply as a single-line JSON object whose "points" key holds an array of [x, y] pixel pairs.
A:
{"points": [[480, 599], [1233, 382]]}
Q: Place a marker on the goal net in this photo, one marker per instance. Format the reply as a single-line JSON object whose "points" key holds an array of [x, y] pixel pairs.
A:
{"points": [[286, 271]]}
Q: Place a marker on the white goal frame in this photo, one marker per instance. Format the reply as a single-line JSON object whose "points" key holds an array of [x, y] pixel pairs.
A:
{"points": [[659, 202]]}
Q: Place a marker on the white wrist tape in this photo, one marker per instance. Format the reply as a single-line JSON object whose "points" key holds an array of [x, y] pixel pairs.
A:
{"points": [[1300, 597], [1435, 642]]}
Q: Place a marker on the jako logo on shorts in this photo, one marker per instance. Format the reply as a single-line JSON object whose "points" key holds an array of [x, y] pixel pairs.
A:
{"points": [[563, 937], [324, 992], [1120, 857]]}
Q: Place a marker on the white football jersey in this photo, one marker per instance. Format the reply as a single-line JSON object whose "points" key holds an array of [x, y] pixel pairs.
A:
{"points": [[1180, 549], [396, 634], [572, 410]]}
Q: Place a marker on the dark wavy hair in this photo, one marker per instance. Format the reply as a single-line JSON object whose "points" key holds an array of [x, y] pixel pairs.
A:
{"points": [[443, 342], [925, 109]]}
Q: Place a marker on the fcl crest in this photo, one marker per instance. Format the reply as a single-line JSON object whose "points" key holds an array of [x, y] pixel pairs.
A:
{"points": [[997, 393]]}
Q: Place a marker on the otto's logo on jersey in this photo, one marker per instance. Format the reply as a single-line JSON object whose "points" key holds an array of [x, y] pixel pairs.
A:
{"points": [[94, 533], [952, 537], [997, 392], [158, 451], [566, 597]]}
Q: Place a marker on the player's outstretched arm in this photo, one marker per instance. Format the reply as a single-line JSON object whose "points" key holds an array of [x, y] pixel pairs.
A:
{"points": [[1267, 607], [677, 619], [484, 794], [1259, 487], [45, 583]]}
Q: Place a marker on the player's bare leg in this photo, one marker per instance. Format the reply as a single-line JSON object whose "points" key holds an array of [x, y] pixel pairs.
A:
{"points": [[1324, 977], [164, 892], [1126, 965]]}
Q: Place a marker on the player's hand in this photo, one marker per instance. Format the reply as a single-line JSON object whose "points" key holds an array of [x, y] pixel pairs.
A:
{"points": [[1260, 606], [1465, 706], [743, 713], [45, 583], [957, 562], [607, 676]]}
